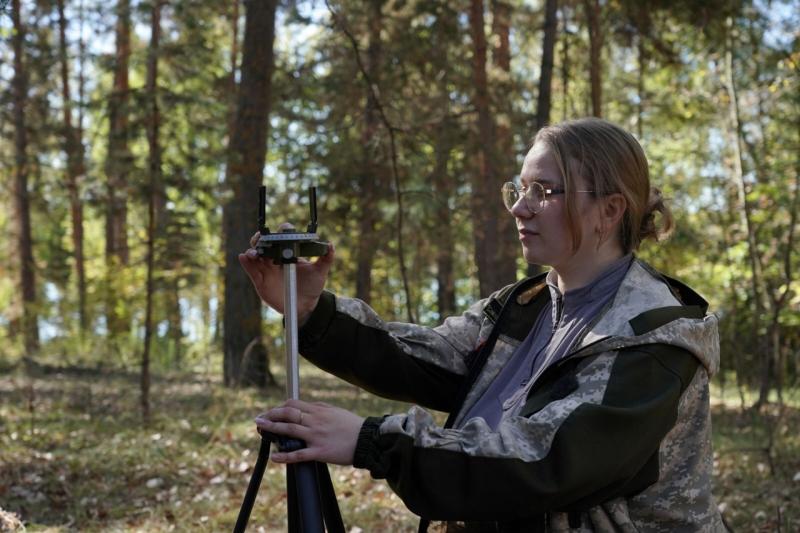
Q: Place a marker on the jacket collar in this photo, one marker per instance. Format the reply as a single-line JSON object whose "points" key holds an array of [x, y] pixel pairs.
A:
{"points": [[643, 290]]}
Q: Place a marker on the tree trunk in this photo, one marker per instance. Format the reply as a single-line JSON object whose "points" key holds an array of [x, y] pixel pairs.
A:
{"points": [[444, 186], [641, 57], [172, 297], [485, 220], [544, 96], [505, 260], [27, 267], [592, 8], [780, 346], [73, 147], [746, 222], [234, 59], [117, 171], [247, 153], [371, 180], [154, 169], [219, 287], [565, 67]]}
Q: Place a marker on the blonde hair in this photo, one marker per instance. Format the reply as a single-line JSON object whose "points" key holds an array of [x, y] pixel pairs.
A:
{"points": [[610, 160]]}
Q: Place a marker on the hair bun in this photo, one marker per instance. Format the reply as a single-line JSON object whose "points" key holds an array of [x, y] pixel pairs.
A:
{"points": [[650, 227]]}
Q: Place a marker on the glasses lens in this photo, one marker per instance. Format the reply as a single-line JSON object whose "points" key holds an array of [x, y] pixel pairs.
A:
{"points": [[535, 197], [510, 195]]}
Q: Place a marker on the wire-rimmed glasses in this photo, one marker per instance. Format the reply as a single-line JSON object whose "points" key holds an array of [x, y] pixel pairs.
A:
{"points": [[535, 195]]}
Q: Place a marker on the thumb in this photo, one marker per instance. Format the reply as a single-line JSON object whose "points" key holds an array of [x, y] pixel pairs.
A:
{"points": [[324, 263], [250, 263]]}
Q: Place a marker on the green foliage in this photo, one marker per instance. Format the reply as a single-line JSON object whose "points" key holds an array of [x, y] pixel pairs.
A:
{"points": [[664, 78]]}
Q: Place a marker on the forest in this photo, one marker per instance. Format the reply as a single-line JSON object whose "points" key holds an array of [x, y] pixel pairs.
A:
{"points": [[134, 135]]}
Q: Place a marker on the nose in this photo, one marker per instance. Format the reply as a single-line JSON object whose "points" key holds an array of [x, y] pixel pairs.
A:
{"points": [[520, 209]]}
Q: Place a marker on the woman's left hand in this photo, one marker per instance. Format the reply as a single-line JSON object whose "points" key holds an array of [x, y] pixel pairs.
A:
{"points": [[330, 433]]}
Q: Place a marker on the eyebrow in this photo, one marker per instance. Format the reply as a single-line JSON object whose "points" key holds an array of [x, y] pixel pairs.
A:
{"points": [[546, 183]]}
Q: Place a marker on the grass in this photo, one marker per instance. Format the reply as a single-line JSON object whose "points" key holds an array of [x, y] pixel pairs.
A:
{"points": [[74, 456]]}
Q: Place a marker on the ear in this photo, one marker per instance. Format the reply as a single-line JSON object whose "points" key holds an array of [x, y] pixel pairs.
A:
{"points": [[611, 209]]}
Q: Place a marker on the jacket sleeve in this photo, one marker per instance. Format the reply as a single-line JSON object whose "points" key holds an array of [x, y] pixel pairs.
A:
{"points": [[585, 447], [400, 361]]}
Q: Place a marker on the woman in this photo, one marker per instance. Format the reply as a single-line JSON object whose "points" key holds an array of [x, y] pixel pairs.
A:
{"points": [[578, 399]]}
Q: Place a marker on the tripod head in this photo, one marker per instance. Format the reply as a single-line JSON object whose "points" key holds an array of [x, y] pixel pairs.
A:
{"points": [[312, 501], [287, 245]]}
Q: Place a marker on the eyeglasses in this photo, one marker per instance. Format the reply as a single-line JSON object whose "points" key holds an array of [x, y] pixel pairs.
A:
{"points": [[535, 195]]}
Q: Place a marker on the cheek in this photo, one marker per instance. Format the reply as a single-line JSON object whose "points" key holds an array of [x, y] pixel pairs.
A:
{"points": [[558, 228]]}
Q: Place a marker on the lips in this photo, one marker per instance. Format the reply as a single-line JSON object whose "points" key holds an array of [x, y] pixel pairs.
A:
{"points": [[525, 232]]}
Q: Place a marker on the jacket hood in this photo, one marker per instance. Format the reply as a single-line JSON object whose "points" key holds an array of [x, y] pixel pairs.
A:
{"points": [[650, 308]]}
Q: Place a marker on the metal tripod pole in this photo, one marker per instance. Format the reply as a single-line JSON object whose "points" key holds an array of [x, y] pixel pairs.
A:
{"points": [[290, 332], [308, 500]]}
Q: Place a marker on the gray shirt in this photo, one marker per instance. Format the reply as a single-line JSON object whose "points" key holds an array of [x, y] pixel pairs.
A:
{"points": [[549, 341]]}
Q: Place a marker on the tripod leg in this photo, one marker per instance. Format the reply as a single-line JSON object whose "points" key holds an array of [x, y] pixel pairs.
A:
{"points": [[330, 507], [308, 498], [252, 488], [294, 524]]}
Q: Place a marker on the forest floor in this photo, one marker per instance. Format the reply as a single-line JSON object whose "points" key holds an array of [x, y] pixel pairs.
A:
{"points": [[74, 456]]}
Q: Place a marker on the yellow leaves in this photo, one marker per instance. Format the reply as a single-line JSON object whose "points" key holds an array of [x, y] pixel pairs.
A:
{"points": [[10, 521]]}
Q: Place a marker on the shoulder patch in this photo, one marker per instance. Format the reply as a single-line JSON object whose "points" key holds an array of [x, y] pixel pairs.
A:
{"points": [[528, 295], [655, 318]]}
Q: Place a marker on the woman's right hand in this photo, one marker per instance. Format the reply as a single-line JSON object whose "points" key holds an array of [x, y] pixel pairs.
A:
{"points": [[267, 278]]}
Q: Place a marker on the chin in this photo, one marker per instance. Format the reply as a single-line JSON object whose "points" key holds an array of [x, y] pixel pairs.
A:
{"points": [[531, 257]]}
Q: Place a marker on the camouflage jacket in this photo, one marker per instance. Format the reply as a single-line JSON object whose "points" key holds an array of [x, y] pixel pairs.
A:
{"points": [[614, 437]]}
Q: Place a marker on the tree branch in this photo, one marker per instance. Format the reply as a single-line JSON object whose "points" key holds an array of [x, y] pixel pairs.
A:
{"points": [[393, 148]]}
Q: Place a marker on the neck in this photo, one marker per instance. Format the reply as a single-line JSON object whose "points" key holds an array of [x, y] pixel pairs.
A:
{"points": [[583, 268]]}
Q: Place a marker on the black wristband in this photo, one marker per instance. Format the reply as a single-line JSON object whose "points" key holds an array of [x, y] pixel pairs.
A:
{"points": [[367, 453]]}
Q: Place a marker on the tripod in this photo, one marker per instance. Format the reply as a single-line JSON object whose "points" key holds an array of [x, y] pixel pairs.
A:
{"points": [[310, 495]]}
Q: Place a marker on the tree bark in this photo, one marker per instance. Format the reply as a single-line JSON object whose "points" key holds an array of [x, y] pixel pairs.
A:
{"points": [[444, 187], [505, 260], [117, 171], [444, 181], [219, 287], [247, 153], [641, 57], [485, 220], [30, 318], [592, 8], [565, 67], [746, 221], [73, 148], [544, 97], [372, 180], [234, 64], [154, 170]]}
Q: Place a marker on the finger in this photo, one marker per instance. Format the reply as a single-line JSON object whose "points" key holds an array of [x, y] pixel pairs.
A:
{"points": [[284, 413], [283, 428], [300, 405], [249, 256], [291, 411], [285, 225], [251, 266], [299, 456], [324, 262], [254, 239]]}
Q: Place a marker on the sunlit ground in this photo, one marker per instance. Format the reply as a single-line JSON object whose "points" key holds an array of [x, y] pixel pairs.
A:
{"points": [[76, 457]]}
